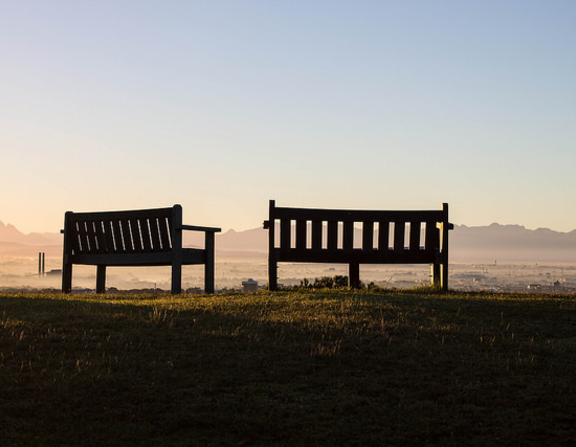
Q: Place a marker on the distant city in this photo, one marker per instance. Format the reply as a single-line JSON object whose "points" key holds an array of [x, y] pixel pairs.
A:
{"points": [[233, 273]]}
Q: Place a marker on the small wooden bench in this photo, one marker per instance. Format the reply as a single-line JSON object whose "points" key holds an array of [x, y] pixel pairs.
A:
{"points": [[151, 237], [335, 236]]}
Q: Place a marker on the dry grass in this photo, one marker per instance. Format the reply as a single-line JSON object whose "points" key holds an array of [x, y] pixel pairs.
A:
{"points": [[288, 368]]}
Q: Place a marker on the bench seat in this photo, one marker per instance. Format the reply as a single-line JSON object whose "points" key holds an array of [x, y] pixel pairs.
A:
{"points": [[150, 237]]}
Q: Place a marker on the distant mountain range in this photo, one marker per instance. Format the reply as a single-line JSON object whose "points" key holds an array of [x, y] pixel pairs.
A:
{"points": [[9, 233], [484, 243], [15, 243], [511, 243]]}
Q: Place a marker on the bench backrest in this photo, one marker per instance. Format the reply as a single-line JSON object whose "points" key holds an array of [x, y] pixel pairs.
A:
{"points": [[318, 235], [116, 232]]}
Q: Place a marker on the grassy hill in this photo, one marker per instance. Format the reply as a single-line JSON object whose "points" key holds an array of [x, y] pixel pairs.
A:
{"points": [[288, 368]]}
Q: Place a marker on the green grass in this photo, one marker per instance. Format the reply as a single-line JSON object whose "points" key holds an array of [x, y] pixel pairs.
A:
{"points": [[288, 368]]}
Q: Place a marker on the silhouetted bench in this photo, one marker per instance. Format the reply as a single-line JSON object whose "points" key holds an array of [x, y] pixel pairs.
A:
{"points": [[150, 237], [335, 236]]}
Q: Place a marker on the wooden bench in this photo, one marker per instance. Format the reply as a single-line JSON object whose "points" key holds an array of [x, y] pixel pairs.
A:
{"points": [[151, 237], [357, 237]]}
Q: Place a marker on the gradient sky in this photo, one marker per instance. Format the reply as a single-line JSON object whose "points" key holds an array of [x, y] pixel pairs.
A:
{"points": [[223, 105]]}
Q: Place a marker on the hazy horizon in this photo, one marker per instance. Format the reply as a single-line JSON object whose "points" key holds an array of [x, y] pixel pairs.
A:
{"points": [[479, 243], [222, 105], [256, 227], [510, 256]]}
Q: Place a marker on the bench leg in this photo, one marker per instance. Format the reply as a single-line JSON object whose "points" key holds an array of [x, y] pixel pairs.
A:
{"points": [[67, 278], [209, 265], [354, 276], [176, 278], [272, 275], [444, 276], [209, 278], [436, 275], [101, 279]]}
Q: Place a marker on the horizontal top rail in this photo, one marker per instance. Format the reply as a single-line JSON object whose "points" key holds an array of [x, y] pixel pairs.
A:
{"points": [[325, 215], [117, 215]]}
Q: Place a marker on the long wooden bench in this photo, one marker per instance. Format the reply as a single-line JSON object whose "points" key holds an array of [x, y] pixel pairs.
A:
{"points": [[357, 237], [151, 237]]}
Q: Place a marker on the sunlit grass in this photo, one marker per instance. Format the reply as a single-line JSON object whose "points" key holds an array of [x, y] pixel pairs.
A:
{"points": [[315, 367]]}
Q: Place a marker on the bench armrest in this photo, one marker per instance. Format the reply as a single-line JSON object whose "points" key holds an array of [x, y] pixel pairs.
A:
{"points": [[196, 228]]}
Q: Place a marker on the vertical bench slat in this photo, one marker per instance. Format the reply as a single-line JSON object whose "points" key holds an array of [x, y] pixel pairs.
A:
{"points": [[348, 236], [399, 233], [94, 242], [102, 237], [135, 235], [285, 230], [110, 247], [301, 235], [316, 235], [432, 237], [164, 225], [84, 237], [117, 235], [76, 239], [368, 236], [414, 236], [332, 236], [170, 224], [89, 237], [126, 236], [383, 235], [155, 234], [146, 236], [99, 237]]}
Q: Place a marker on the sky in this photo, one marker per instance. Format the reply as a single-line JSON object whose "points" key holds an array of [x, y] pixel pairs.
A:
{"points": [[223, 105]]}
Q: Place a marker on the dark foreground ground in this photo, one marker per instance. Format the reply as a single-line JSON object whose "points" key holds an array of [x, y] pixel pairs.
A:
{"points": [[288, 368]]}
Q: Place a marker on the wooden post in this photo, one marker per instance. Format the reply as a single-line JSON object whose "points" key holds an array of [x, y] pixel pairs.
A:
{"points": [[176, 249], [209, 265], [100, 279], [354, 276], [43, 264], [40, 264], [272, 264]]}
